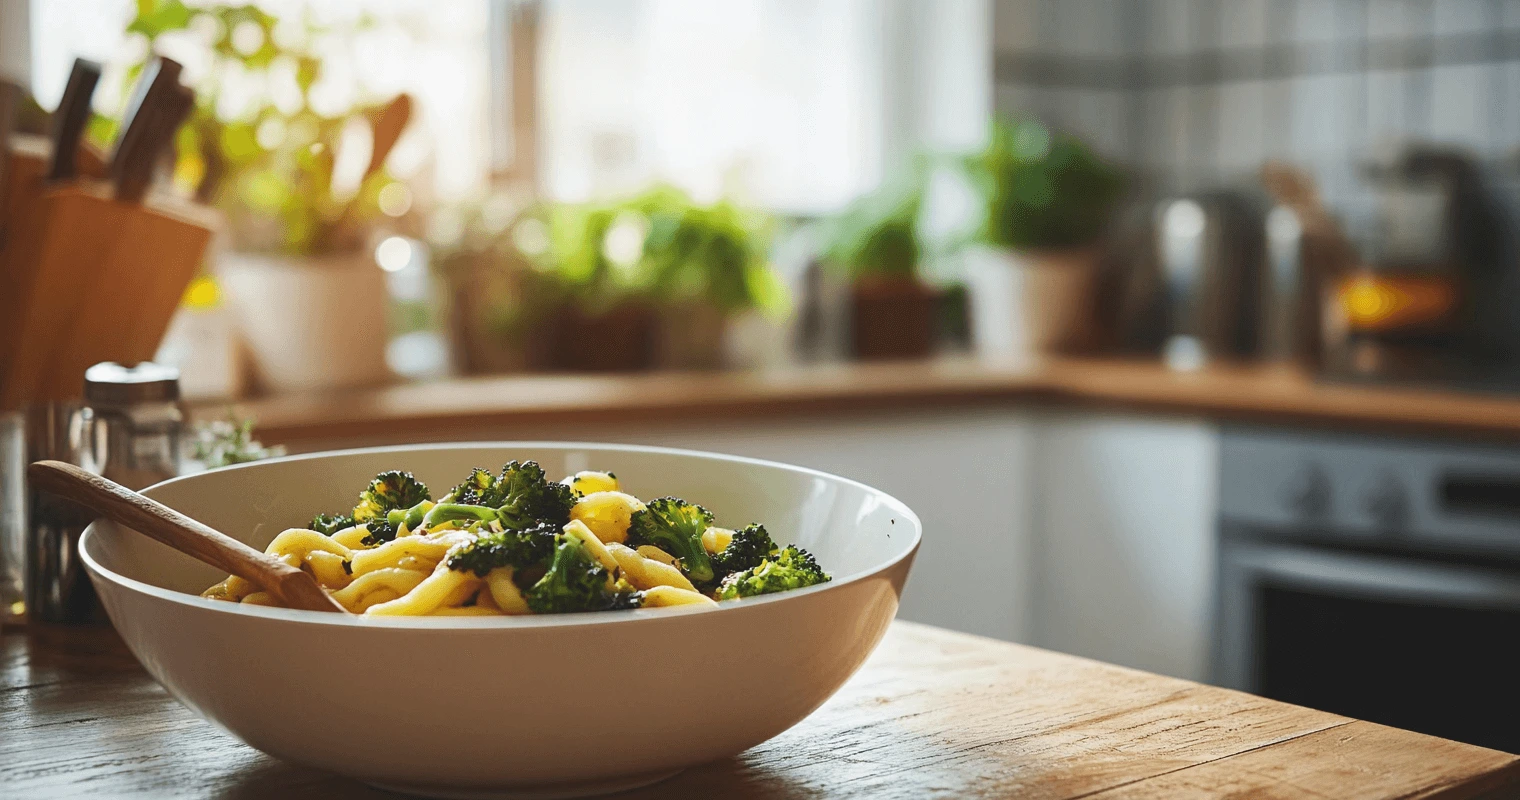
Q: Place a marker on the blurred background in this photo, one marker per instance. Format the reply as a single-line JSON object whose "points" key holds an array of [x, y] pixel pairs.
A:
{"points": [[1191, 328]]}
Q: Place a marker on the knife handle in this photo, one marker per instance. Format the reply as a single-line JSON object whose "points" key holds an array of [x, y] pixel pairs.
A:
{"points": [[157, 78], [69, 120], [158, 129]]}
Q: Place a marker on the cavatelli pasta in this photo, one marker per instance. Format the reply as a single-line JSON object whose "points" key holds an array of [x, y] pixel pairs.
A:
{"points": [[519, 543]]}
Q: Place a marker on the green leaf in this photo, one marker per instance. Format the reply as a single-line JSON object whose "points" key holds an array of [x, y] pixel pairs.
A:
{"points": [[156, 17]]}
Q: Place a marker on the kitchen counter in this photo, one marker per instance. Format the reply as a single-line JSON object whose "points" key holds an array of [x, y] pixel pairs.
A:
{"points": [[931, 714], [460, 408]]}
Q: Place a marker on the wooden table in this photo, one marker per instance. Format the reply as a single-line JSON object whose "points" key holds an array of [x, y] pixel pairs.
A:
{"points": [[932, 714]]}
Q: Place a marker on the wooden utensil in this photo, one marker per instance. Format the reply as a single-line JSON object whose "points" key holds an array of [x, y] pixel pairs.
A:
{"points": [[288, 585], [388, 127], [387, 131]]}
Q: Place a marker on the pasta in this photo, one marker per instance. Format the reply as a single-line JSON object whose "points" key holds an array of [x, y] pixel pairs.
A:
{"points": [[515, 542]]}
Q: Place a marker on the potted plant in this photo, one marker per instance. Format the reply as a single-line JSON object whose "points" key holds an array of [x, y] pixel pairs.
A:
{"points": [[893, 313], [297, 266], [1046, 201], [647, 281], [703, 265]]}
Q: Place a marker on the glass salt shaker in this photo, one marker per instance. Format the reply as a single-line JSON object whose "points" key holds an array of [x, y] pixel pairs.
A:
{"points": [[128, 431], [133, 423]]}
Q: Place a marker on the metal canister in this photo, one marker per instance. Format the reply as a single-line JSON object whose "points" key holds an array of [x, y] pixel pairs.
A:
{"points": [[133, 423], [129, 430]]}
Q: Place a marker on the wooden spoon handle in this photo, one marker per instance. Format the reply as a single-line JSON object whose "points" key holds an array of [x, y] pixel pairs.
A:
{"points": [[289, 586]]}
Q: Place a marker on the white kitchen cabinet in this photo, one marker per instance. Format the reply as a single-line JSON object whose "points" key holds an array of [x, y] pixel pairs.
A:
{"points": [[1123, 539]]}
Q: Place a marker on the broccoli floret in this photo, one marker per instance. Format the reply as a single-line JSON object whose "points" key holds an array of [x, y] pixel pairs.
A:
{"points": [[330, 523], [380, 531], [388, 491], [792, 568], [675, 526], [466, 515], [749, 547], [576, 581], [509, 548], [470, 492], [523, 496]]}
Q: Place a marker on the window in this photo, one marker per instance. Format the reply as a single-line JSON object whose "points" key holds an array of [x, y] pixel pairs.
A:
{"points": [[437, 51]]}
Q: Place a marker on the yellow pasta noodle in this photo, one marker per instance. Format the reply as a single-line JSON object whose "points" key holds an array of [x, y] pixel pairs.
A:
{"points": [[579, 530], [506, 594], [607, 514], [299, 542], [430, 548], [328, 568], [647, 573], [374, 599], [589, 481], [651, 552], [714, 539], [429, 595], [233, 589], [661, 596], [396, 580], [352, 537]]}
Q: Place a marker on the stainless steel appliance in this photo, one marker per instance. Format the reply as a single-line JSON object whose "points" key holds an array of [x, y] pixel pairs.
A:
{"points": [[1374, 578], [1429, 299], [1191, 284]]}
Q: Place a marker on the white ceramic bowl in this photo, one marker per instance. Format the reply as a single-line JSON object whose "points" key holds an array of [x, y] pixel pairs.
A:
{"points": [[521, 706]]}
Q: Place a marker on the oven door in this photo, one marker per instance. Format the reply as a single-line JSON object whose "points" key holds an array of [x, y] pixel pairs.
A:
{"points": [[1411, 643]]}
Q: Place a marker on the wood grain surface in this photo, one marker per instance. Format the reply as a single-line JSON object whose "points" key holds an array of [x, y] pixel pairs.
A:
{"points": [[932, 714], [484, 407]]}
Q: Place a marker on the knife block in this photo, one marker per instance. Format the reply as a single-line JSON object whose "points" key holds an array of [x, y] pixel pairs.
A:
{"points": [[95, 279]]}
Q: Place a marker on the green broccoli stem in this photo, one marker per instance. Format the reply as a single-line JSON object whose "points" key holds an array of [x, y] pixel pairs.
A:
{"points": [[456, 512], [694, 559], [410, 517]]}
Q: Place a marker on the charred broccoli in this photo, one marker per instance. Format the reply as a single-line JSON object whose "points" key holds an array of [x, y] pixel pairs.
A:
{"points": [[379, 532], [469, 492], [523, 496], [749, 547], [577, 581], [388, 491], [508, 548], [330, 523], [791, 568], [675, 526]]}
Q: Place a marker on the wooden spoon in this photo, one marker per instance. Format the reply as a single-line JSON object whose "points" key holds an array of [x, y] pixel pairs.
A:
{"points": [[386, 131], [288, 585]]}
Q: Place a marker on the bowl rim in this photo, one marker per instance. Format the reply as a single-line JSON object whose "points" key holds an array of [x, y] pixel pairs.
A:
{"points": [[100, 572]]}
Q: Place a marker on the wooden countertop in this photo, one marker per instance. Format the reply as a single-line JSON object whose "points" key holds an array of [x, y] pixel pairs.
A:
{"points": [[932, 713], [462, 408]]}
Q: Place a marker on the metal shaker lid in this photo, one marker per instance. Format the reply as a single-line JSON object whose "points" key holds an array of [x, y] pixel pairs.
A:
{"points": [[109, 383]]}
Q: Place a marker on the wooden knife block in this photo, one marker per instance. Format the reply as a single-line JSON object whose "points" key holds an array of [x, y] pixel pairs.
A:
{"points": [[88, 279]]}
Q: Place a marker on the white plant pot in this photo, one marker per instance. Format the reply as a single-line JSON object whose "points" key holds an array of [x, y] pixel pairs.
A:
{"points": [[1031, 303], [310, 323]]}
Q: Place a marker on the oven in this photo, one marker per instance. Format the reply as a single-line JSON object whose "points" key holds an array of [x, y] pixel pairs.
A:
{"points": [[1374, 578]]}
